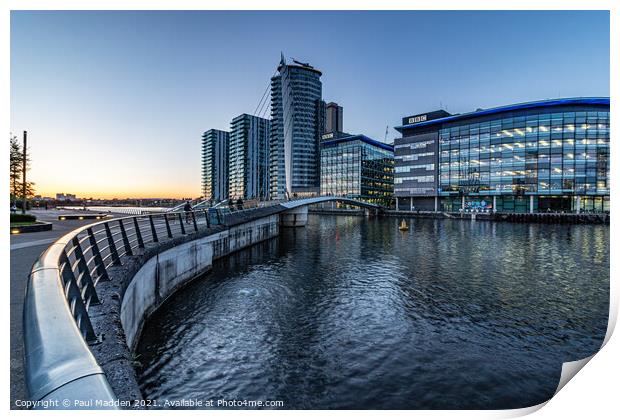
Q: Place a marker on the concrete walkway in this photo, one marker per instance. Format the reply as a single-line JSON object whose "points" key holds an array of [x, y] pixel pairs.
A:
{"points": [[25, 249]]}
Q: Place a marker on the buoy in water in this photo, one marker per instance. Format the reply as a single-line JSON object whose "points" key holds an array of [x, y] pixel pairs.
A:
{"points": [[403, 225]]}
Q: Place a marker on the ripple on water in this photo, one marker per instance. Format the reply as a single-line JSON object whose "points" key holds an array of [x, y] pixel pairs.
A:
{"points": [[352, 313]]}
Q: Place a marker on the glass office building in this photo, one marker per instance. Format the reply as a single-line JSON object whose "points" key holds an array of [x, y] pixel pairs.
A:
{"points": [[215, 165], [358, 167], [297, 121], [533, 157], [248, 158]]}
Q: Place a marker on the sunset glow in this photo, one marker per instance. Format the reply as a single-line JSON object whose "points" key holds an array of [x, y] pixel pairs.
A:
{"points": [[115, 103]]}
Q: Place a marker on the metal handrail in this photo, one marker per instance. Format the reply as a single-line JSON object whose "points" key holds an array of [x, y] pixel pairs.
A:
{"points": [[62, 287]]}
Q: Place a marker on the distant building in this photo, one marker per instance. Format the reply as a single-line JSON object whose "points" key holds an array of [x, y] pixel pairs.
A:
{"points": [[215, 165], [65, 197], [296, 128], [358, 167], [333, 118], [248, 160]]}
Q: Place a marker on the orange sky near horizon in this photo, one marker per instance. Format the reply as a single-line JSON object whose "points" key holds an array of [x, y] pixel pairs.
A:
{"points": [[109, 176], [119, 195], [82, 188], [93, 169]]}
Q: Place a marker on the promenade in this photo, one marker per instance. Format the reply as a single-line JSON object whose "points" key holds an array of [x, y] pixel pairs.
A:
{"points": [[25, 248]]}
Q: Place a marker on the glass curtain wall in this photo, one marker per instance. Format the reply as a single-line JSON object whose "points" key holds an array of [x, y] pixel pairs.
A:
{"points": [[554, 156], [357, 170]]}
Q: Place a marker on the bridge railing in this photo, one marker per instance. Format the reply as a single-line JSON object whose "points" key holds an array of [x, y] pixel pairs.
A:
{"points": [[63, 286]]}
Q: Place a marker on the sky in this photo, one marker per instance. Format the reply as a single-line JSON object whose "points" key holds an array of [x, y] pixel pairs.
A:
{"points": [[115, 102]]}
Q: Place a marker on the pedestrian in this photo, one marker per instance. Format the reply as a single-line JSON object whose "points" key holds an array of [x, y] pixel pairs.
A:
{"points": [[187, 208]]}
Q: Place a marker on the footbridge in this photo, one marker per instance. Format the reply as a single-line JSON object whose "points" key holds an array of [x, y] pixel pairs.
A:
{"points": [[296, 211], [89, 294]]}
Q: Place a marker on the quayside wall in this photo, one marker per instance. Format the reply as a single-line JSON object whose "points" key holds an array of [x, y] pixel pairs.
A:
{"points": [[89, 293], [167, 271], [144, 282]]}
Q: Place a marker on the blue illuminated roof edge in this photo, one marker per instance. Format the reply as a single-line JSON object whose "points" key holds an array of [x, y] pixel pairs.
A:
{"points": [[507, 108], [363, 138]]}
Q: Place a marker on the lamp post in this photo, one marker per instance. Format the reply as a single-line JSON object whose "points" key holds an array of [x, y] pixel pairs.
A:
{"points": [[24, 163]]}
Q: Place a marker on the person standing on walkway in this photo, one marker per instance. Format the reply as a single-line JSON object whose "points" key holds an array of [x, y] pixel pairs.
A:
{"points": [[187, 208]]}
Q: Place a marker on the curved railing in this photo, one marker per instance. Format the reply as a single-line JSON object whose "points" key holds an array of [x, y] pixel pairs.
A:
{"points": [[63, 286]]}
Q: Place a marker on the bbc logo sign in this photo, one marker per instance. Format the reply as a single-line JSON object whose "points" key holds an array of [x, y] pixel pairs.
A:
{"points": [[417, 119]]}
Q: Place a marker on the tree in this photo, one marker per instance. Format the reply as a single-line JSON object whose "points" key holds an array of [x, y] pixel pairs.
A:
{"points": [[15, 170], [15, 167]]}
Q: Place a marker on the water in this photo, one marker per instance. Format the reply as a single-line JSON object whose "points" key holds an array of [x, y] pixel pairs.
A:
{"points": [[352, 313]]}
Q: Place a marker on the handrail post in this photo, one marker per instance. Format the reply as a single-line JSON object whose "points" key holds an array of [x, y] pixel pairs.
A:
{"points": [[74, 298], [99, 265], [207, 218], [153, 230], [181, 223], [125, 238], [194, 220], [168, 225], [136, 227], [89, 294], [113, 251]]}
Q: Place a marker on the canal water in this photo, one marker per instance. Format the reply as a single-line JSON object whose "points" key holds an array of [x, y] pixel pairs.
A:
{"points": [[352, 313]]}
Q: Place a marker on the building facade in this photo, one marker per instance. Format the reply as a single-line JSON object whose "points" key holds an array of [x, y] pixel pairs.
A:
{"points": [[296, 127], [358, 167], [215, 165], [333, 118], [539, 156], [248, 158]]}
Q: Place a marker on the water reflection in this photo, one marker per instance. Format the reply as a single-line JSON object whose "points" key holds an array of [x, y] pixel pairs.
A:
{"points": [[353, 313]]}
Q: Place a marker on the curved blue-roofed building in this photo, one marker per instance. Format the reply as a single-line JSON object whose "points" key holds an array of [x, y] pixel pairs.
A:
{"points": [[356, 166], [541, 156]]}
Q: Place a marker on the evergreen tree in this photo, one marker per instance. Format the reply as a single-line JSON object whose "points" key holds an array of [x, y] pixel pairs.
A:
{"points": [[15, 170]]}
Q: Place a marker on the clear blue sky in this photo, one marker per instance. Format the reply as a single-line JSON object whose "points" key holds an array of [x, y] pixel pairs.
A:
{"points": [[122, 98]]}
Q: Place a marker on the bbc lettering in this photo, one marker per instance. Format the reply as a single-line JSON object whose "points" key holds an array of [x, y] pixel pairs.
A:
{"points": [[417, 119]]}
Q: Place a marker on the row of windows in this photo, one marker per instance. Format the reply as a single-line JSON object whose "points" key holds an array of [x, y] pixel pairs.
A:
{"points": [[423, 178], [409, 168], [569, 129], [541, 188], [416, 145], [532, 120], [414, 191], [415, 156]]}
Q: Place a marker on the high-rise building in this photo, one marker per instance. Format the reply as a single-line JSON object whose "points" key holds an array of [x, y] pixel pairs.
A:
{"points": [[215, 165], [296, 128], [333, 118], [248, 161]]}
